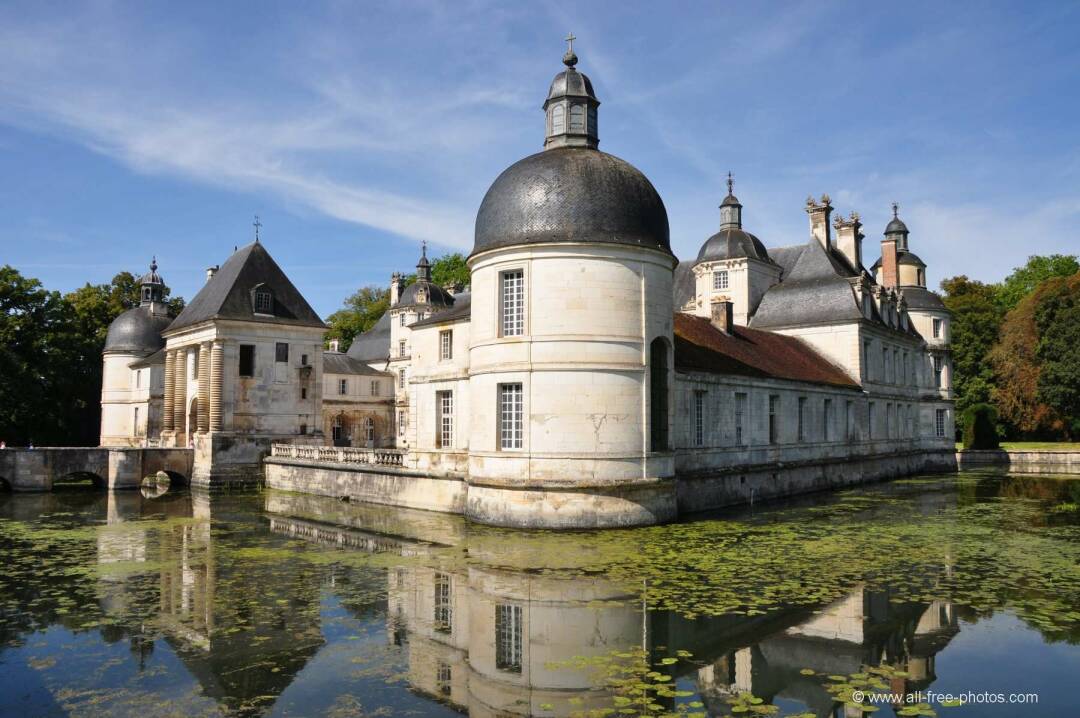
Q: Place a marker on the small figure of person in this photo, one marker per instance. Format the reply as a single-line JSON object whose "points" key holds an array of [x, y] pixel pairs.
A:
{"points": [[3, 444], [31, 444]]}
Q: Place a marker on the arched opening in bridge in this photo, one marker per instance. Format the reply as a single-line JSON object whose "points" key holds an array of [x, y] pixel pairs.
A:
{"points": [[5, 485], [658, 394], [192, 420], [176, 479], [79, 480]]}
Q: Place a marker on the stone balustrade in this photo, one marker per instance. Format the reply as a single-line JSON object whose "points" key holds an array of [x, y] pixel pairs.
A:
{"points": [[339, 454]]}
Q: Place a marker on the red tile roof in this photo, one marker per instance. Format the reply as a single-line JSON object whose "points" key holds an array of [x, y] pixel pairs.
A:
{"points": [[699, 346]]}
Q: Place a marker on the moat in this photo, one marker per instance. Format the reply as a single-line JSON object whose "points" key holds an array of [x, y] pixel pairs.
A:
{"points": [[275, 603]]}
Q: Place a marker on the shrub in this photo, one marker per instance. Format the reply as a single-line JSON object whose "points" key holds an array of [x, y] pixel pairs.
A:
{"points": [[980, 427]]}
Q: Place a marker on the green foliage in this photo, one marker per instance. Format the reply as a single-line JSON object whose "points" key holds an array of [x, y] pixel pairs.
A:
{"points": [[50, 357], [359, 314], [450, 269], [975, 325], [980, 427], [1023, 280], [1057, 318]]}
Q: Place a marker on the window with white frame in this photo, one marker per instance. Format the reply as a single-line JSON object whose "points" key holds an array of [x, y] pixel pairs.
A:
{"points": [[343, 387], [401, 348], [508, 638], [138, 378], [446, 344], [443, 678], [938, 365], [939, 422], [401, 319], [402, 420], [401, 379], [374, 387], [937, 328], [740, 416], [444, 611], [264, 301], [720, 279], [369, 429], [699, 418], [444, 426], [512, 303], [511, 416]]}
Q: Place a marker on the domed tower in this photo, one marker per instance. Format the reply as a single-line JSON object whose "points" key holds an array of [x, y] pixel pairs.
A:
{"points": [[133, 367], [733, 269], [571, 334]]}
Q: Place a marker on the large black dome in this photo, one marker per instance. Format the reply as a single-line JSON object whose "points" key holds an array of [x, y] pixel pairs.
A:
{"points": [[572, 194], [137, 330], [732, 243]]}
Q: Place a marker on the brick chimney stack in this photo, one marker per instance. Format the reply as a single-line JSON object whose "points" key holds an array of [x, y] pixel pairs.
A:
{"points": [[819, 219], [723, 315]]}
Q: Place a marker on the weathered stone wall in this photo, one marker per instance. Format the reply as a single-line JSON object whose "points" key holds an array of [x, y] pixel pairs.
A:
{"points": [[1050, 462], [112, 468]]}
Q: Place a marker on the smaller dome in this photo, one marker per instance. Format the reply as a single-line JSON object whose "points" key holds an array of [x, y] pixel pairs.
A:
{"points": [[152, 277], [732, 243], [436, 295], [137, 330], [896, 226], [730, 200], [910, 258], [571, 83]]}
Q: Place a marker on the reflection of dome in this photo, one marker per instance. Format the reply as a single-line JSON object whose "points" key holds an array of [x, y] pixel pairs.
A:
{"points": [[732, 243], [572, 194], [137, 330]]}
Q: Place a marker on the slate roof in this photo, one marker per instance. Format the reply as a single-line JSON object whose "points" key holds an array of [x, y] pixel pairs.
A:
{"points": [[684, 284], [461, 311], [922, 298], [374, 344], [786, 257], [732, 243], [157, 357], [699, 346], [228, 294], [137, 330], [816, 290], [339, 363]]}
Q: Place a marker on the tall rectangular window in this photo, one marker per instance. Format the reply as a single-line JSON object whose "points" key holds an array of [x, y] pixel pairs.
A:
{"points": [[446, 344], [343, 387], [402, 319], [907, 368], [138, 429], [866, 360], [444, 612], [401, 379], [885, 365], [699, 418], [402, 420], [720, 279], [937, 328], [888, 421], [939, 422], [281, 352], [374, 387], [443, 678], [849, 420], [138, 378], [401, 348], [508, 638], [247, 360], [870, 421], [511, 419], [512, 303], [774, 419], [444, 428], [828, 432], [802, 418], [938, 365], [740, 416], [897, 377]]}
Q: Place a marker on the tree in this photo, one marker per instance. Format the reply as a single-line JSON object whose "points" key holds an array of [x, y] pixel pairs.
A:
{"points": [[450, 269], [1057, 318], [359, 314], [1016, 372], [975, 322], [980, 427], [1023, 280]]}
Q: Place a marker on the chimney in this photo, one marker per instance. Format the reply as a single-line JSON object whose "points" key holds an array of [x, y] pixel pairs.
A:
{"points": [[723, 316], [395, 288], [453, 288], [211, 271], [335, 345], [849, 238], [819, 219]]}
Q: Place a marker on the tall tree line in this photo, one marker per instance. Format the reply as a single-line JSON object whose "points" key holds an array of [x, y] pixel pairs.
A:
{"points": [[50, 357], [1016, 345]]}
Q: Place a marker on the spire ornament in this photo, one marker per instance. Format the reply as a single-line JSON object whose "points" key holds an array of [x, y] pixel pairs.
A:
{"points": [[570, 59], [730, 184], [896, 210], [256, 224]]}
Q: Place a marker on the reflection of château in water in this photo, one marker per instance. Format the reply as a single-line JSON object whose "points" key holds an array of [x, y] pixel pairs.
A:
{"points": [[495, 641]]}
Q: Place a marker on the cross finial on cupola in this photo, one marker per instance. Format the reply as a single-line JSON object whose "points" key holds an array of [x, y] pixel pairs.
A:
{"points": [[153, 263], [570, 59], [256, 224], [896, 210], [730, 183]]}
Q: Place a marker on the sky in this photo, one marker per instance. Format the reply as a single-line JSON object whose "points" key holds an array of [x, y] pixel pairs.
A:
{"points": [[356, 130]]}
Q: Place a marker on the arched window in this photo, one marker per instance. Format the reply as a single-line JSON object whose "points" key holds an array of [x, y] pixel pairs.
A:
{"points": [[558, 120], [658, 393], [577, 118]]}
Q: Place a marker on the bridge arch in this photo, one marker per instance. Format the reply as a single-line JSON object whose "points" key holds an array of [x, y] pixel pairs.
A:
{"points": [[77, 479], [5, 485]]}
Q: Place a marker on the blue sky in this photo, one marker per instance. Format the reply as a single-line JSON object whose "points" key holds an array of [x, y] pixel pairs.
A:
{"points": [[355, 130]]}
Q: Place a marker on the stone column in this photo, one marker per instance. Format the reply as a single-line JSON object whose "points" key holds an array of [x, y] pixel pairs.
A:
{"points": [[217, 374], [204, 387], [168, 420], [180, 372]]}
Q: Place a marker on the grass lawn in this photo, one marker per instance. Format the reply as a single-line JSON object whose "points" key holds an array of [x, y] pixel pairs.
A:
{"points": [[1036, 446]]}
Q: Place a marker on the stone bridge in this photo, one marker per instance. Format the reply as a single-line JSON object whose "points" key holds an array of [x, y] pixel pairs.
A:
{"points": [[108, 467]]}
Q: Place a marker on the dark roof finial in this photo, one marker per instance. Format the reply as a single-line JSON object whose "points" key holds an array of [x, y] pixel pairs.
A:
{"points": [[896, 210], [423, 249], [570, 59], [730, 184], [256, 224], [153, 263]]}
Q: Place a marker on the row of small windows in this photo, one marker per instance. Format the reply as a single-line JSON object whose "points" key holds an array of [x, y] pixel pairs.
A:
{"points": [[896, 366], [577, 119], [343, 387], [900, 420]]}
